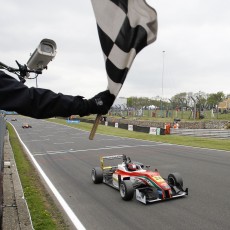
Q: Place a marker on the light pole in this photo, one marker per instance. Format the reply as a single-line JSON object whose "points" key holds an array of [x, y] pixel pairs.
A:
{"points": [[162, 82]]}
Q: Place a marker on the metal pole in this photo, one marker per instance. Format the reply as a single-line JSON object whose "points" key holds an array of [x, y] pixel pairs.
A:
{"points": [[162, 83], [194, 115]]}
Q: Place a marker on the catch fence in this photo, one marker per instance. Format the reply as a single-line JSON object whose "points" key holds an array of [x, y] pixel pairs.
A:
{"points": [[172, 114]]}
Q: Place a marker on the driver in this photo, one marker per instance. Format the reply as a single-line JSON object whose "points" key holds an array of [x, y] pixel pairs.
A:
{"points": [[44, 103], [132, 167]]}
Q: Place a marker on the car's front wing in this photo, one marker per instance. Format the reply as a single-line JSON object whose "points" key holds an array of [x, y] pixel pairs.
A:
{"points": [[142, 197]]}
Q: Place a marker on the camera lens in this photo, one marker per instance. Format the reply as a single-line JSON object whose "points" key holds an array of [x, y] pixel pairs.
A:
{"points": [[46, 48]]}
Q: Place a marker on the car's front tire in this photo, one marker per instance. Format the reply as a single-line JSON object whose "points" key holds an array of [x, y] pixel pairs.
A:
{"points": [[175, 179], [126, 190], [97, 175]]}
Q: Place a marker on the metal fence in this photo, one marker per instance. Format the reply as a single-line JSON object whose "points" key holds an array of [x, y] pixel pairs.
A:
{"points": [[172, 114], [2, 135]]}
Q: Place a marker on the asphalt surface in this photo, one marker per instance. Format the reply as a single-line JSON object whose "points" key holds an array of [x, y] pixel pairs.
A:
{"points": [[66, 157]]}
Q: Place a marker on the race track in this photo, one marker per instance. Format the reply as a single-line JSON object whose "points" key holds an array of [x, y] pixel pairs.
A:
{"points": [[67, 157]]}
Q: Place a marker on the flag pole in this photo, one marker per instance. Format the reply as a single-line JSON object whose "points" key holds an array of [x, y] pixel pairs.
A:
{"points": [[95, 125]]}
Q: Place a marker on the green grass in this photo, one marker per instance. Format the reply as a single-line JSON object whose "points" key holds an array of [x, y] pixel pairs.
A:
{"points": [[210, 143], [43, 211]]}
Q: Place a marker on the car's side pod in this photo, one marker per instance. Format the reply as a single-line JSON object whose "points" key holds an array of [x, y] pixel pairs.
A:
{"points": [[124, 178]]}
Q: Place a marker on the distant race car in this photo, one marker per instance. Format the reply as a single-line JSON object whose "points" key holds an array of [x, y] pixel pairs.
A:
{"points": [[26, 126], [13, 119], [131, 178]]}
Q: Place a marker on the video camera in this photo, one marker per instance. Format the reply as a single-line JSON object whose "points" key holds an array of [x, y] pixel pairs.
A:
{"points": [[44, 53], [38, 61]]}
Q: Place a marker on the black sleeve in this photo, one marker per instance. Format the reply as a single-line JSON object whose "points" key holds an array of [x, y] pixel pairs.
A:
{"points": [[37, 102]]}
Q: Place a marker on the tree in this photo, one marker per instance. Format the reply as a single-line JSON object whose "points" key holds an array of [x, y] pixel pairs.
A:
{"points": [[201, 98], [140, 102], [179, 100], [214, 99]]}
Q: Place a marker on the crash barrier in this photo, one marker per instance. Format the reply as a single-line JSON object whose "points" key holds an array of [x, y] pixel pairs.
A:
{"points": [[143, 129], [135, 128], [2, 136], [210, 133], [72, 121]]}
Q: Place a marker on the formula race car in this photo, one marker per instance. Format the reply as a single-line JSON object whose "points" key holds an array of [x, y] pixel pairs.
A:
{"points": [[134, 178], [26, 126]]}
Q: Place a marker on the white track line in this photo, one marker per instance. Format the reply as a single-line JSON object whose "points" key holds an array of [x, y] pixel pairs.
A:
{"points": [[96, 149], [62, 202]]}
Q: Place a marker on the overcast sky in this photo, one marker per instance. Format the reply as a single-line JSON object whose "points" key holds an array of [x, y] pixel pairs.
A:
{"points": [[194, 34]]}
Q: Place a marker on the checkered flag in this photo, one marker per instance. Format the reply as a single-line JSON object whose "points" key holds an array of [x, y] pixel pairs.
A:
{"points": [[125, 27]]}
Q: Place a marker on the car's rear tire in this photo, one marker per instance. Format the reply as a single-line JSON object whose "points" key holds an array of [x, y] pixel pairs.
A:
{"points": [[175, 179], [97, 175], [126, 190]]}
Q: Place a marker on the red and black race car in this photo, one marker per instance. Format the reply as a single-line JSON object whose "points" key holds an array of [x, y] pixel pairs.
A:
{"points": [[134, 178], [26, 126]]}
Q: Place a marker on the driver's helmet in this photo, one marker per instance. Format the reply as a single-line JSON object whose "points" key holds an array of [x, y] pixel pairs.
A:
{"points": [[132, 167]]}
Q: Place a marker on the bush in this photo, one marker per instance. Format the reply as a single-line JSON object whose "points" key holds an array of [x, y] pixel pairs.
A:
{"points": [[227, 125]]}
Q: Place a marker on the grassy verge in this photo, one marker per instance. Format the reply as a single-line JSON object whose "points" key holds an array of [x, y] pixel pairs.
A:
{"points": [[44, 212], [210, 143]]}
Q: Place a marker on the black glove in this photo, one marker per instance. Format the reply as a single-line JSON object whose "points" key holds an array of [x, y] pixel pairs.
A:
{"points": [[101, 103]]}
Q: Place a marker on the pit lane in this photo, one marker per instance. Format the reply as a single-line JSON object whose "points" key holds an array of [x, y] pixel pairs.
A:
{"points": [[66, 156]]}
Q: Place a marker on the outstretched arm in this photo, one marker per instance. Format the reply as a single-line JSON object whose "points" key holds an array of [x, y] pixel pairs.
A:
{"points": [[43, 103]]}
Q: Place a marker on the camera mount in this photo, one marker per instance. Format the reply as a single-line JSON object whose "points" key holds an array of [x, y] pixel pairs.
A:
{"points": [[43, 54], [22, 72]]}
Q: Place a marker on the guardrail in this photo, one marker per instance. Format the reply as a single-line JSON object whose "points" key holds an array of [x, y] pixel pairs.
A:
{"points": [[210, 133], [136, 128], [2, 136]]}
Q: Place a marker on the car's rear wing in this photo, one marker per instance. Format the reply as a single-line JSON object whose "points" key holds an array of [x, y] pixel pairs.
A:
{"points": [[109, 158], [113, 157]]}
